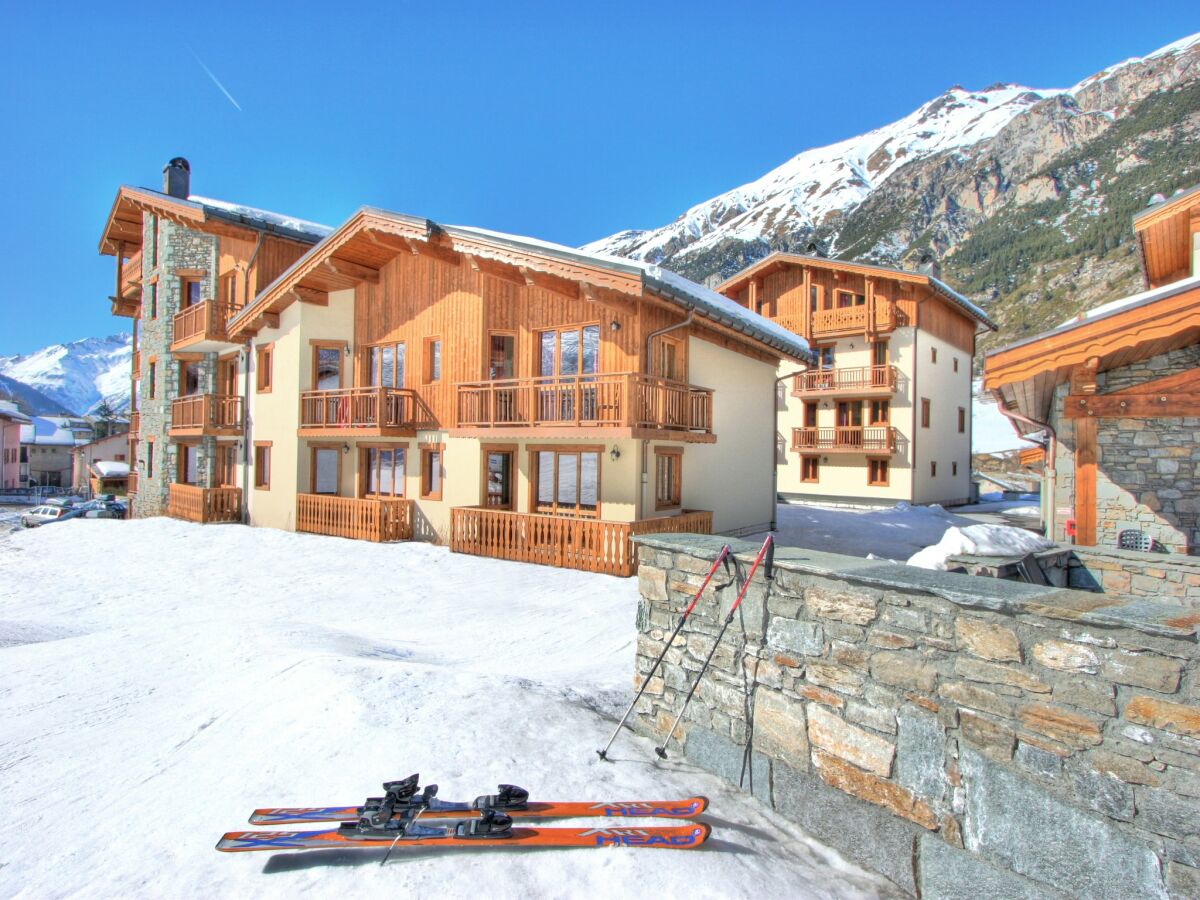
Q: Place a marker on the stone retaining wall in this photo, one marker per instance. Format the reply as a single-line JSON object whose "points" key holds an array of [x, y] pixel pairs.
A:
{"points": [[960, 735]]}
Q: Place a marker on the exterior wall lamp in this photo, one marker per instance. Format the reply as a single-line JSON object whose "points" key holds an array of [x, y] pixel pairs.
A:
{"points": [[345, 448], [614, 325], [614, 454]]}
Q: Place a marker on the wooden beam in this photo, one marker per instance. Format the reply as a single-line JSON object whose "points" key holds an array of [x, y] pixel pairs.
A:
{"points": [[311, 295], [353, 270], [270, 319], [1083, 378], [1085, 482], [1131, 406], [471, 261], [525, 273], [392, 242], [588, 292]]}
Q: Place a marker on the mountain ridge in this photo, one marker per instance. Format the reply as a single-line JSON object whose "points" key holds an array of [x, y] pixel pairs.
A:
{"points": [[73, 377]]}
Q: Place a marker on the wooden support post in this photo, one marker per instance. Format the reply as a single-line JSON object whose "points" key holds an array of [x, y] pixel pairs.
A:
{"points": [[1085, 482]]}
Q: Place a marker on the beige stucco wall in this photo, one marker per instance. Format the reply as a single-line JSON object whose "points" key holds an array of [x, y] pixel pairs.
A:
{"points": [[942, 442]]}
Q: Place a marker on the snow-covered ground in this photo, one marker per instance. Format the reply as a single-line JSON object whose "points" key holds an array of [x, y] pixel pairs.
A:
{"points": [[159, 680]]}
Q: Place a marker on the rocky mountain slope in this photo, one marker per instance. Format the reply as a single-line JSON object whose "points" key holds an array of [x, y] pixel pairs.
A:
{"points": [[1025, 194], [72, 377]]}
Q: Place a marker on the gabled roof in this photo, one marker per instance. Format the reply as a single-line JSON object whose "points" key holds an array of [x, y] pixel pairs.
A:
{"points": [[737, 281], [124, 221], [371, 236], [1164, 231]]}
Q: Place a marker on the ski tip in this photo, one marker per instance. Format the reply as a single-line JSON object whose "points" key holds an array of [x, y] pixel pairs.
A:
{"points": [[701, 803], [705, 833]]}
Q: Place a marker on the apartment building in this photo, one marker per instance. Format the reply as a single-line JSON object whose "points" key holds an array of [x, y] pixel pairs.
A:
{"points": [[506, 396], [885, 413], [1113, 397]]}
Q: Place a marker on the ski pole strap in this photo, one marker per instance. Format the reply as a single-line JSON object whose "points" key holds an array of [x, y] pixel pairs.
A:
{"points": [[722, 557]]}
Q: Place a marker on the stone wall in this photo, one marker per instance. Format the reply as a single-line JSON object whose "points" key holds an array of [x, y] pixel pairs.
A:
{"points": [[1148, 470], [962, 736]]}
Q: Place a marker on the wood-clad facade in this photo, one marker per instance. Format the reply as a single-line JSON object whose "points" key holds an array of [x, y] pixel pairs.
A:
{"points": [[885, 413], [1114, 395]]}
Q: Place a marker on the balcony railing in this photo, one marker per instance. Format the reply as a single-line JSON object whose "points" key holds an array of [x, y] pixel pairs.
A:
{"points": [[206, 414], [625, 400], [202, 322], [136, 364], [365, 411], [132, 484], [853, 319], [845, 439], [861, 380], [592, 545], [131, 275], [200, 504], [135, 422], [364, 519]]}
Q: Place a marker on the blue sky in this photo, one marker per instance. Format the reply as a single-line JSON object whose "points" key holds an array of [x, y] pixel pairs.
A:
{"points": [[564, 121]]}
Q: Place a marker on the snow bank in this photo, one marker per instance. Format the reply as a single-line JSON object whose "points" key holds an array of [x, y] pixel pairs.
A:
{"points": [[979, 540]]}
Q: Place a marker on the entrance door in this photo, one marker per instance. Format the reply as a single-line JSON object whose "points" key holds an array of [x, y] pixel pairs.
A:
{"points": [[326, 463], [327, 367], [499, 490], [227, 377], [567, 353], [849, 420], [226, 465]]}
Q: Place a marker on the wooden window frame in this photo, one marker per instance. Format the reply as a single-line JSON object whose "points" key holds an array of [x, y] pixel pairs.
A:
{"points": [[181, 448], [962, 420], [487, 353], [956, 364], [675, 470], [369, 352], [566, 449], [185, 360], [153, 285], [426, 452], [260, 483], [485, 449], [852, 295], [427, 359], [661, 343], [264, 362], [223, 450], [875, 345], [813, 463], [227, 288], [187, 277], [316, 345], [312, 467], [558, 331], [149, 457], [364, 468], [926, 412], [152, 368], [933, 355], [810, 405], [873, 422], [886, 464]]}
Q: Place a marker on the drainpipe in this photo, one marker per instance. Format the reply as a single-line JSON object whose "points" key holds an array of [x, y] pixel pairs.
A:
{"points": [[774, 435], [1049, 500], [647, 368], [247, 348]]}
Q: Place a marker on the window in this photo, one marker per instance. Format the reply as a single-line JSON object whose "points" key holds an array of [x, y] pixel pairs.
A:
{"points": [[933, 354], [189, 378], [953, 469], [189, 292], [326, 474], [187, 461], [229, 290], [119, 457], [810, 413], [501, 348], [848, 298], [433, 359], [825, 357], [667, 363], [154, 240], [567, 481], [932, 469], [569, 351], [387, 366], [327, 366], [668, 475], [810, 468], [962, 420], [499, 489], [431, 471], [153, 380], [850, 414], [879, 353], [226, 465], [262, 367], [813, 298], [877, 472], [924, 412], [956, 364], [154, 299], [881, 412], [149, 458], [262, 465], [383, 471]]}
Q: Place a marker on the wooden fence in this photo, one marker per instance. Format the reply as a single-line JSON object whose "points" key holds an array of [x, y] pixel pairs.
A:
{"points": [[364, 519], [204, 505]]}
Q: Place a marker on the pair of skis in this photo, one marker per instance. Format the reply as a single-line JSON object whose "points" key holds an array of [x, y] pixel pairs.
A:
{"points": [[403, 817]]}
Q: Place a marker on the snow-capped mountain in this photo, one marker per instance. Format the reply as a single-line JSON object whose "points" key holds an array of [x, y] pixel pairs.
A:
{"points": [[78, 375]]}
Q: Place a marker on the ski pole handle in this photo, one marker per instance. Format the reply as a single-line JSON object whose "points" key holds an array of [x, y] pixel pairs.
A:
{"points": [[768, 551]]}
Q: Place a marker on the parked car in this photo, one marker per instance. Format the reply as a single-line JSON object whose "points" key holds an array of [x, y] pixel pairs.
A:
{"points": [[43, 515], [102, 509]]}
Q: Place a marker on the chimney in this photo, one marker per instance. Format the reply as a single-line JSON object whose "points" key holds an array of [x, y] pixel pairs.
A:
{"points": [[928, 265], [814, 248], [177, 178]]}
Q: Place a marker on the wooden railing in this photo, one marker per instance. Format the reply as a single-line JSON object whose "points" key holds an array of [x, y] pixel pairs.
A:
{"points": [[135, 422], [207, 413], [854, 318], [872, 379], [136, 363], [848, 439], [131, 484], [203, 321], [364, 519], [131, 273], [628, 400], [591, 545], [201, 504], [365, 407]]}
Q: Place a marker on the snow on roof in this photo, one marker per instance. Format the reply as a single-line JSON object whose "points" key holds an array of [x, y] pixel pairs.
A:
{"points": [[110, 469], [668, 285], [264, 217], [9, 410], [51, 431]]}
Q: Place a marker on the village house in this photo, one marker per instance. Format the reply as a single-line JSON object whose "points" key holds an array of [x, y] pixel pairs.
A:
{"points": [[11, 421], [113, 449], [1114, 396], [885, 414], [47, 445], [506, 396]]}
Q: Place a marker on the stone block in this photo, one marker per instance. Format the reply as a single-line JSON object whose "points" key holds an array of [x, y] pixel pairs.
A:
{"points": [[973, 697], [779, 729], [910, 619], [1089, 693], [652, 583], [1038, 762], [1147, 670], [795, 638], [907, 670], [1101, 791], [994, 673], [837, 678], [854, 781], [849, 742], [1166, 813], [853, 608], [890, 640], [1124, 768], [992, 739], [945, 873], [721, 756], [1059, 724], [921, 755], [1023, 827], [881, 719], [1183, 882], [851, 655], [820, 695], [1067, 657], [986, 640], [1178, 718], [864, 832]]}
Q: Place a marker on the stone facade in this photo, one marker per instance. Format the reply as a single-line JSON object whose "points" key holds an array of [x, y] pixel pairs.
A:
{"points": [[960, 735], [177, 248], [1148, 470]]}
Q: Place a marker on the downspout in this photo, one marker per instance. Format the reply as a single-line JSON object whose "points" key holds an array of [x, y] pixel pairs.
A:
{"points": [[1049, 500], [774, 436], [247, 348], [647, 366]]}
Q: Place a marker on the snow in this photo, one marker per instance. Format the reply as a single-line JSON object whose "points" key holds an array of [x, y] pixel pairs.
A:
{"points": [[291, 223], [1166, 290], [79, 374], [251, 667], [51, 431], [110, 469], [979, 540], [991, 431]]}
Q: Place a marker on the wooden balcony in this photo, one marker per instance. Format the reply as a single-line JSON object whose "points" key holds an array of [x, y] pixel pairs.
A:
{"points": [[129, 287], [363, 519], [132, 484], [626, 403], [879, 439], [200, 328], [200, 504], [363, 412], [591, 545], [135, 422], [844, 322], [199, 415], [136, 364], [864, 381]]}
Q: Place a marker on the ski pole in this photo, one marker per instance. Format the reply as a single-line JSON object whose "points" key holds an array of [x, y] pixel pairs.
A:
{"points": [[767, 551], [722, 557]]}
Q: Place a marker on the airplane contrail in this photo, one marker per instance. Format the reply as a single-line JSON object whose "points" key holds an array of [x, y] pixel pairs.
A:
{"points": [[216, 81]]}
